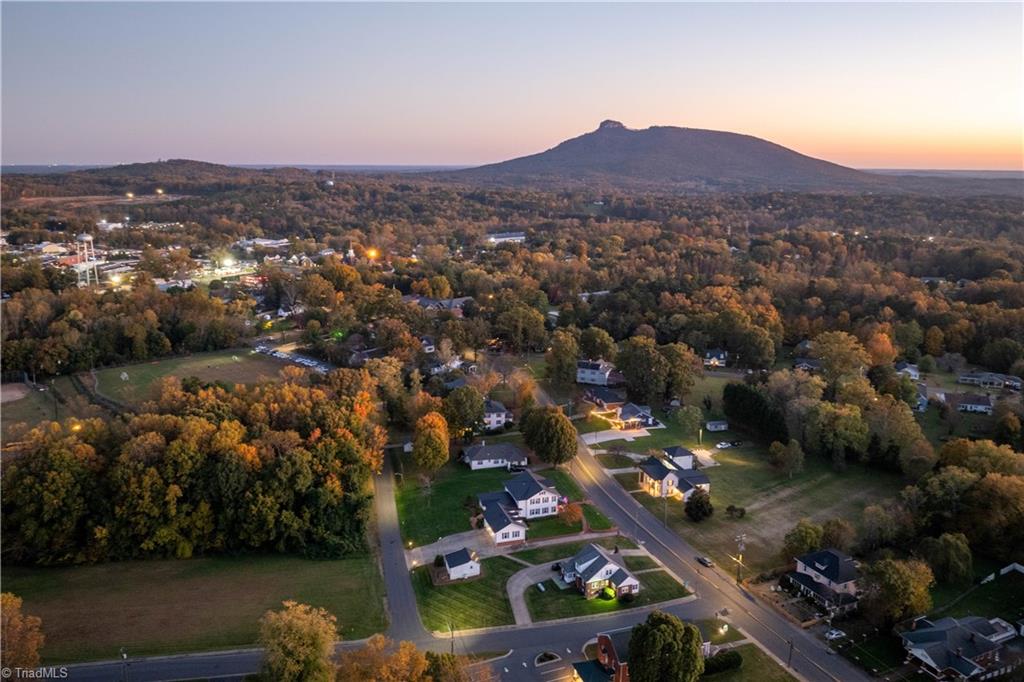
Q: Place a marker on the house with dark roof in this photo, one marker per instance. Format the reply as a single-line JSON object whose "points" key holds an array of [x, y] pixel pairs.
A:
{"points": [[680, 456], [809, 365], [525, 497], [595, 568], [627, 417], [716, 357], [496, 415], [664, 478], [598, 373], [974, 402], [461, 564], [829, 577], [985, 379], [496, 238], [958, 648], [922, 398], [907, 369], [497, 455], [613, 650]]}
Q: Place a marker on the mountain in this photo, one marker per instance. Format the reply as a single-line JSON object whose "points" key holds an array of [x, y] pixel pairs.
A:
{"points": [[665, 158]]}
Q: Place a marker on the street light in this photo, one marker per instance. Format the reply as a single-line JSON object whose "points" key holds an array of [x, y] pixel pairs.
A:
{"points": [[372, 253]]}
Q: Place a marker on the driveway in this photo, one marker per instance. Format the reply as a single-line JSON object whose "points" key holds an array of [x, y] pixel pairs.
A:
{"points": [[595, 437], [517, 586]]}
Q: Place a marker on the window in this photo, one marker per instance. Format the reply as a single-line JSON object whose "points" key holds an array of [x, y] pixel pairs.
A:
{"points": [[504, 536]]}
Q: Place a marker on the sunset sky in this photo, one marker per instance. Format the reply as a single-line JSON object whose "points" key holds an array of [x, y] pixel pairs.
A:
{"points": [[865, 85]]}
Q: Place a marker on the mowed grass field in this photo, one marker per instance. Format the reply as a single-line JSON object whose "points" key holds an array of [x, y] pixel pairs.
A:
{"points": [[553, 603], [477, 603], [774, 503], [238, 366], [170, 606], [34, 406], [757, 665]]}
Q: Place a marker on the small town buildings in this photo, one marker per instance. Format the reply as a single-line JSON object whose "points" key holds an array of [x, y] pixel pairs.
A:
{"points": [[922, 398], [494, 456], [595, 568], [829, 577], [435, 305], [628, 417], [526, 496], [496, 238], [462, 564], [664, 478], [907, 369], [973, 402], [716, 426], [716, 357], [496, 415], [427, 343], [958, 648], [604, 398], [598, 373], [809, 365], [990, 380]]}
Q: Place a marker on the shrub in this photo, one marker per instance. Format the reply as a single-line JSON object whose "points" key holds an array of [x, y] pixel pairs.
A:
{"points": [[607, 593], [627, 598], [722, 661], [439, 561]]}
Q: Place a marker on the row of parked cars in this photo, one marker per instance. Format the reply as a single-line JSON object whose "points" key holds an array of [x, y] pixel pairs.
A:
{"points": [[312, 363]]}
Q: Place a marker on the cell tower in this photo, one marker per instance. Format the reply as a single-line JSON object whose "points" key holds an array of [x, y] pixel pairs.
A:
{"points": [[86, 268]]}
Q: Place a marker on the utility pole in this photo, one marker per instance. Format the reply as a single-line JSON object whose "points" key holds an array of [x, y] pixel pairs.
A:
{"points": [[450, 630], [789, 659], [741, 544]]}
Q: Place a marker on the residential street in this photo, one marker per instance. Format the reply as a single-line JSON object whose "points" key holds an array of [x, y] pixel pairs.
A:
{"points": [[715, 591]]}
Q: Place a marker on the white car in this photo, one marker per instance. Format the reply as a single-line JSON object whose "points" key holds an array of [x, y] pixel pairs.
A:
{"points": [[833, 634], [724, 445]]}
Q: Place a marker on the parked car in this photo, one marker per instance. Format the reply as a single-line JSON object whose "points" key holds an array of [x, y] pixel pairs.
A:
{"points": [[736, 443], [705, 561], [556, 567], [834, 634], [724, 445], [540, 586]]}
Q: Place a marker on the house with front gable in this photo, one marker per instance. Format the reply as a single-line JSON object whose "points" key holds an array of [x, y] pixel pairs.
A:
{"points": [[666, 478], [598, 373], [503, 455], [716, 357], [595, 568], [496, 415], [613, 650], [525, 497], [959, 648], [829, 577]]}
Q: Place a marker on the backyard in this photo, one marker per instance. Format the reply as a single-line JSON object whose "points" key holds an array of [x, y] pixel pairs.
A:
{"points": [[169, 606], [143, 380], [553, 603], [477, 603]]}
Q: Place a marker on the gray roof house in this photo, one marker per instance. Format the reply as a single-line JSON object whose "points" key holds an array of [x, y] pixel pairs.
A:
{"points": [[484, 456], [829, 577], [526, 496], [957, 648], [595, 568]]}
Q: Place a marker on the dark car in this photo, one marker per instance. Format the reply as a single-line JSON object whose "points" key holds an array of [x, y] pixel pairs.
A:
{"points": [[705, 561], [556, 567], [736, 443]]}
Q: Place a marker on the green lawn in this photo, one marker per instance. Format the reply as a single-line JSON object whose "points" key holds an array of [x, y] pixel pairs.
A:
{"points": [[774, 503], [628, 481], [427, 512], [231, 366], [550, 553], [32, 409], [966, 425], [877, 654], [757, 665], [595, 519], [170, 606], [564, 482], [639, 563], [718, 631], [590, 424], [550, 527], [610, 460], [1001, 598], [477, 603], [553, 603]]}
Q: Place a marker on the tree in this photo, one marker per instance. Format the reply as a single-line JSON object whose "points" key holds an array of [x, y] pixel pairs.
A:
{"points": [[926, 365], [550, 434], [841, 355], [895, 589], [950, 558], [788, 459], [806, 536], [837, 430], [463, 409], [934, 341], [880, 348], [689, 419], [597, 344], [878, 526], [562, 356], [21, 636], [298, 642], [645, 369], [571, 513], [994, 515], [665, 649], [430, 444], [698, 507], [684, 367], [918, 459], [521, 327], [839, 534], [382, 661]]}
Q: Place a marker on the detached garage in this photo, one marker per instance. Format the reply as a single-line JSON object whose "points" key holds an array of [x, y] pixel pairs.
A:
{"points": [[461, 565]]}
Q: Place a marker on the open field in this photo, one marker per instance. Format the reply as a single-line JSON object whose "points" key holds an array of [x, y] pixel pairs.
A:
{"points": [[543, 555], [231, 366], [25, 405], [774, 503], [167, 606], [477, 603], [611, 460], [757, 665], [553, 603]]}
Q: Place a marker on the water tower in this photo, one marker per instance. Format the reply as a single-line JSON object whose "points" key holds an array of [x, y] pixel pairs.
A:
{"points": [[86, 268]]}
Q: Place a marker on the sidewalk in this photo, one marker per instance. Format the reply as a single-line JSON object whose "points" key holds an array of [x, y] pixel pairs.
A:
{"points": [[480, 542]]}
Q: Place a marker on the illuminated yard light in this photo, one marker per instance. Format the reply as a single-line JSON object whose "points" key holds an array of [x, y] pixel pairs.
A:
{"points": [[372, 253]]}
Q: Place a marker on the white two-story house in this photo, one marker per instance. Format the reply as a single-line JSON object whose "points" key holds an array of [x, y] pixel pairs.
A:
{"points": [[526, 497], [829, 577], [598, 373]]}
